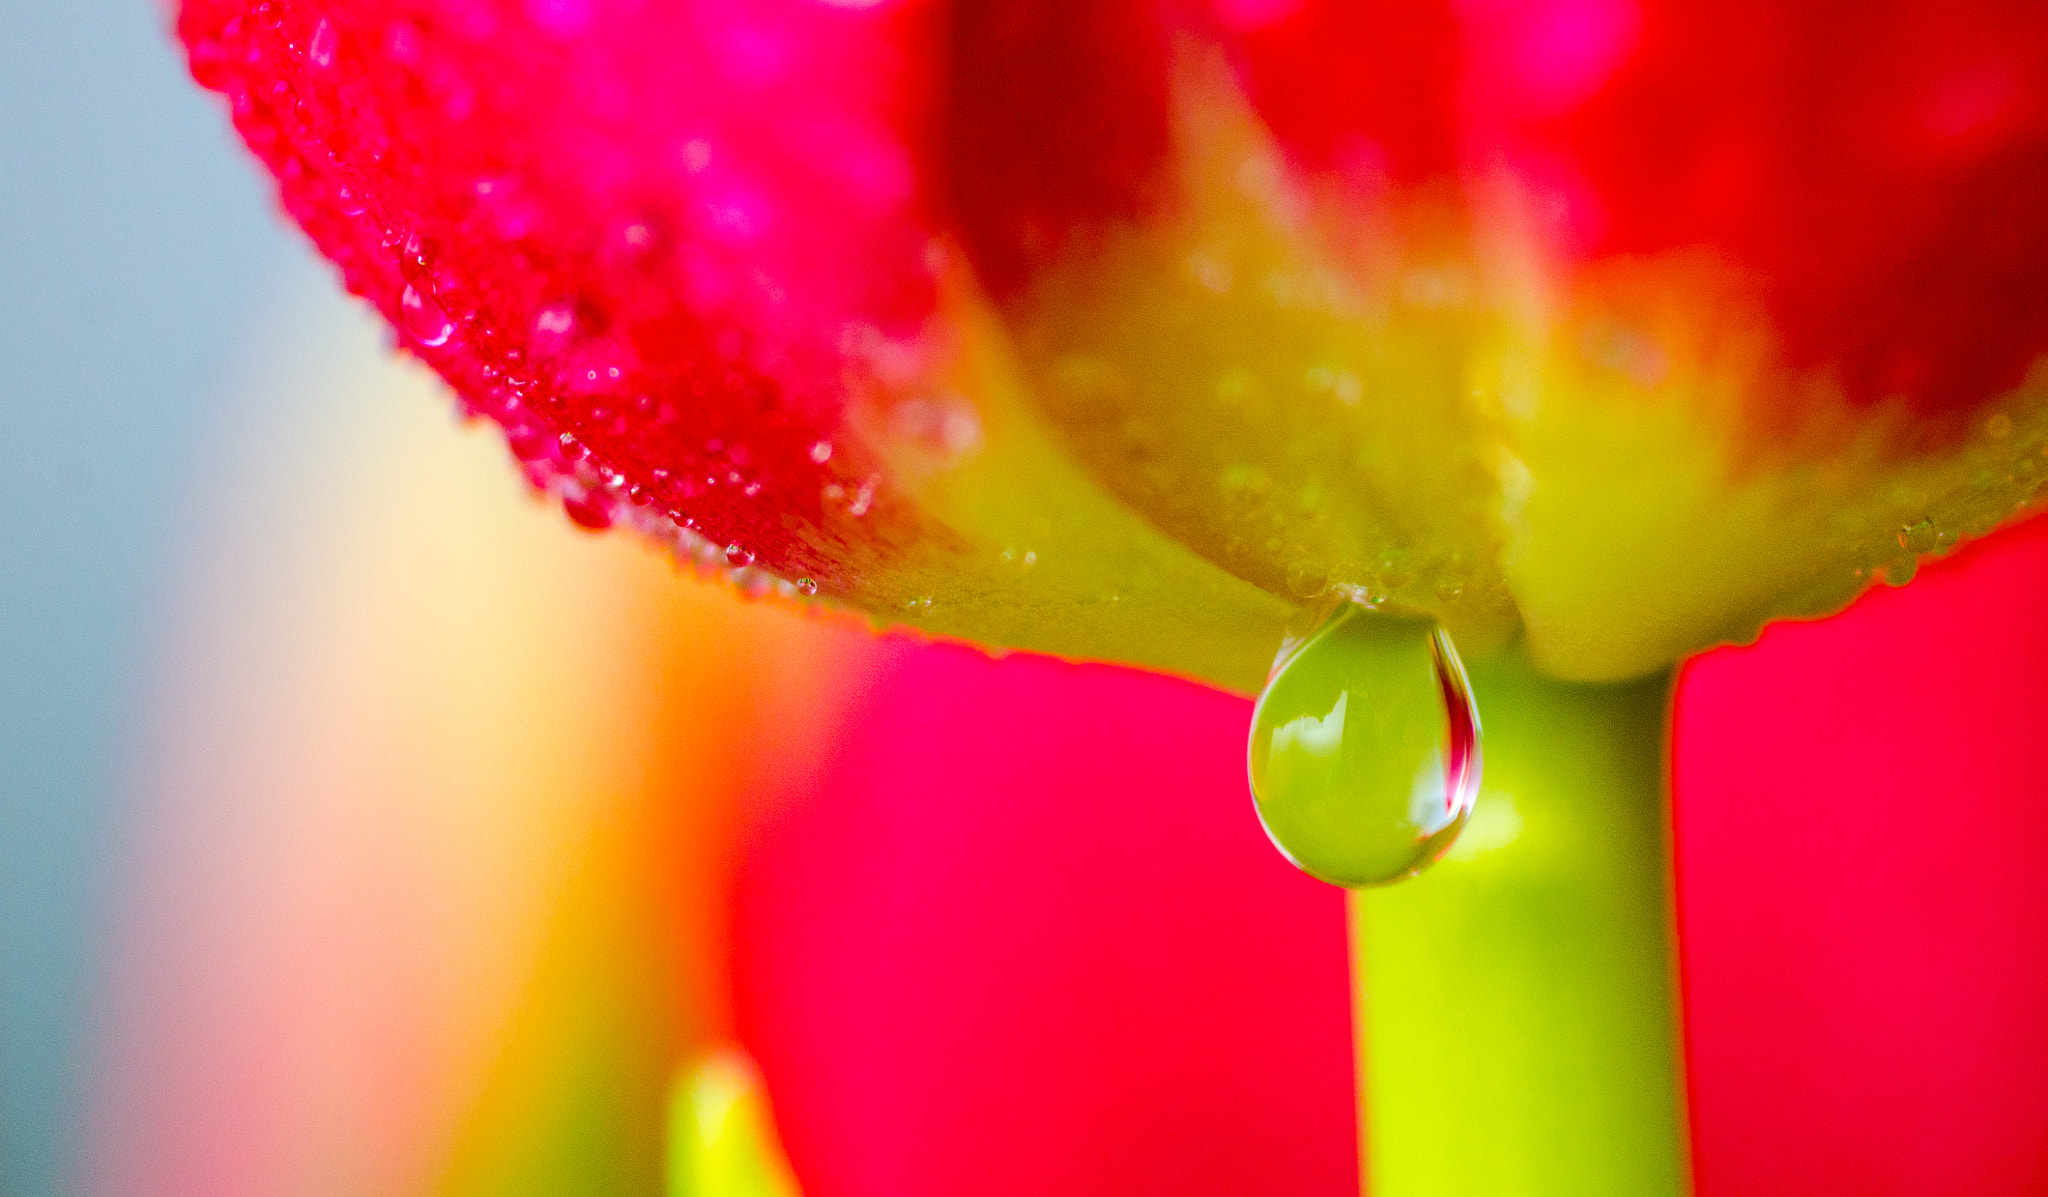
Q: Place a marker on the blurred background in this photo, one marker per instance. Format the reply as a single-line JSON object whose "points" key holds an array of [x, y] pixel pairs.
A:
{"points": [[364, 828]]}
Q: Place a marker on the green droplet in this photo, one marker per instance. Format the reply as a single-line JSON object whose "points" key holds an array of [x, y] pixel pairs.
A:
{"points": [[1365, 749], [1307, 579], [1920, 536]]}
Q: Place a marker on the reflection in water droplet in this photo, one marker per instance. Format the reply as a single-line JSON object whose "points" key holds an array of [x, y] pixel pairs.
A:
{"points": [[1365, 749], [424, 318]]}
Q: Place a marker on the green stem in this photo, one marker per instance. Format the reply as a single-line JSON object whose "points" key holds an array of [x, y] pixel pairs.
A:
{"points": [[1516, 1004]]}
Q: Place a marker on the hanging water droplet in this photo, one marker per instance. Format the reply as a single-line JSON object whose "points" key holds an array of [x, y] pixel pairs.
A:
{"points": [[1307, 579], [592, 511], [1365, 749]]}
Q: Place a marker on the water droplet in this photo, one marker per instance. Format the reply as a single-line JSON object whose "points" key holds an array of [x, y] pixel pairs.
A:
{"points": [[1365, 753], [1307, 579], [821, 452], [1920, 536], [636, 236], [553, 328], [320, 51], [417, 254], [593, 512], [423, 318], [738, 557], [806, 587]]}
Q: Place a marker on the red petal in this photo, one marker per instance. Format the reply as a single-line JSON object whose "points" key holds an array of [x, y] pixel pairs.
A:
{"points": [[1027, 938], [636, 236], [1879, 170], [1860, 839]]}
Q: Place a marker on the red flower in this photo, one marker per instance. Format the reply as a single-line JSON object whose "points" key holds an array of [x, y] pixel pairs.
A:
{"points": [[1599, 330], [1115, 329]]}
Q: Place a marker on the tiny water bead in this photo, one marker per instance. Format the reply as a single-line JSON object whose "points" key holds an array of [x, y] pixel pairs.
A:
{"points": [[1365, 755], [424, 318]]}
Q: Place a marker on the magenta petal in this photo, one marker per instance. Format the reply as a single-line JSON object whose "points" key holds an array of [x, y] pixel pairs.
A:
{"points": [[1862, 836], [1026, 938]]}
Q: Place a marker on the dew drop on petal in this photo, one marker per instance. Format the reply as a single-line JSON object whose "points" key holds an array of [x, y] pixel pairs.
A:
{"points": [[1920, 536], [1365, 755], [553, 328], [424, 319], [320, 51], [590, 512], [1307, 579]]}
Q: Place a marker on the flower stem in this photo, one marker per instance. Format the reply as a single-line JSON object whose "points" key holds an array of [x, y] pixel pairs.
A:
{"points": [[1516, 1004]]}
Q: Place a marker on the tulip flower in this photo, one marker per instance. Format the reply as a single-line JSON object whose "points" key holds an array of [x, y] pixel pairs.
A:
{"points": [[1595, 331]]}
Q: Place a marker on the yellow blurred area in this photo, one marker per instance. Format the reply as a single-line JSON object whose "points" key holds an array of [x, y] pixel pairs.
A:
{"points": [[436, 809], [722, 1135]]}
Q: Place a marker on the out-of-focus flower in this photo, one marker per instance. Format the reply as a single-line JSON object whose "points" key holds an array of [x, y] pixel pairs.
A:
{"points": [[1600, 329], [430, 892], [1119, 329]]}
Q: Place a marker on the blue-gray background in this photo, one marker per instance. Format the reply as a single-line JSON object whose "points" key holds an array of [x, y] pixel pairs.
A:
{"points": [[133, 236]]}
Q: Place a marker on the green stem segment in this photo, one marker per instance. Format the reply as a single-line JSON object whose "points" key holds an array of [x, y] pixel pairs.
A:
{"points": [[1517, 1003]]}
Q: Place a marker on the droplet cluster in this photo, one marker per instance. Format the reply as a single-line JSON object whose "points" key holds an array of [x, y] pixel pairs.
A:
{"points": [[611, 244], [1994, 469]]}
